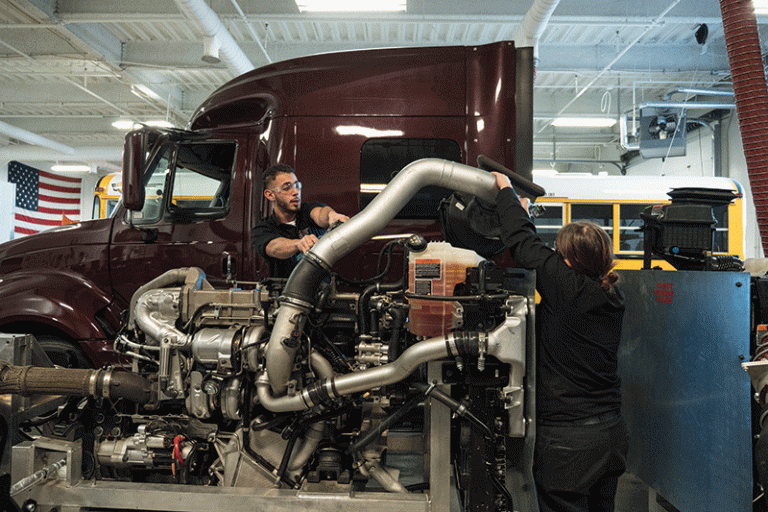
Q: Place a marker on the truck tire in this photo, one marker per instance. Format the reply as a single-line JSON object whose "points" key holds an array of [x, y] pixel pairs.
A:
{"points": [[62, 353]]}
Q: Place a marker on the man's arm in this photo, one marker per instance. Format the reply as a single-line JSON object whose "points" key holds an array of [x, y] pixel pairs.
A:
{"points": [[324, 216], [283, 248]]}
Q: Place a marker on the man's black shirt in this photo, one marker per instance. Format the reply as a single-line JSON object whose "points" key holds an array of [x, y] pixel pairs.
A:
{"points": [[270, 228]]}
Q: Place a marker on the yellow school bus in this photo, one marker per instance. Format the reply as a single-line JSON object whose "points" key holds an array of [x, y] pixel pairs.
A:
{"points": [[615, 203], [107, 194], [189, 190]]}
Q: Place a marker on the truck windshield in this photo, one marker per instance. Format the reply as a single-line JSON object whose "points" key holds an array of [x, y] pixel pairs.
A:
{"points": [[188, 180]]}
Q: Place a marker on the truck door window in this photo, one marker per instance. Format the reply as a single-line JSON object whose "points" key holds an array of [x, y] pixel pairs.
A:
{"points": [[189, 181], [381, 159]]}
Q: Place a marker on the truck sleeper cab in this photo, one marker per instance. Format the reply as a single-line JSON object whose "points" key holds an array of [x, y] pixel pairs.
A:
{"points": [[347, 122]]}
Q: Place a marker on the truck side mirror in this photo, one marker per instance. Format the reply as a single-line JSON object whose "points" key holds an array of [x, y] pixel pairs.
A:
{"points": [[133, 166]]}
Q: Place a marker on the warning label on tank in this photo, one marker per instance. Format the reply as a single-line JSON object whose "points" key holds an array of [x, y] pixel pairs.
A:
{"points": [[427, 269], [422, 287]]}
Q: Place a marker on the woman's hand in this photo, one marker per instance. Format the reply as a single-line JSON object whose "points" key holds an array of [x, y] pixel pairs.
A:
{"points": [[501, 180]]}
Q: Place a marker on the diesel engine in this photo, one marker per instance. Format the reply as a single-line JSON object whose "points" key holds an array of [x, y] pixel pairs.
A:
{"points": [[312, 392]]}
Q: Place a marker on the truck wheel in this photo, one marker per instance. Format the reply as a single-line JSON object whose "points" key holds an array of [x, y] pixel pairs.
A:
{"points": [[62, 353]]}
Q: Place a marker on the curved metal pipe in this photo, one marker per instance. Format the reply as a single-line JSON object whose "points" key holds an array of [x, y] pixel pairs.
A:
{"points": [[314, 435], [416, 175], [175, 277], [384, 477], [153, 327], [308, 446], [300, 290], [331, 388]]}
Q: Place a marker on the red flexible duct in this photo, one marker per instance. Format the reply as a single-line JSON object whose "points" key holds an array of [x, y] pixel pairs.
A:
{"points": [[749, 86]]}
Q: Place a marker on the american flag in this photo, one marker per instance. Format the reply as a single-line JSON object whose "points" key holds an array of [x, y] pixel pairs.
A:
{"points": [[43, 199]]}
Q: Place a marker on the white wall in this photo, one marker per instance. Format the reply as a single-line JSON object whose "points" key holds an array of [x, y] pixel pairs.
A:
{"points": [[7, 193], [735, 166]]}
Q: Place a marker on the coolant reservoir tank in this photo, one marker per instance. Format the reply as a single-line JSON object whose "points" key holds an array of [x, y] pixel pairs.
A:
{"points": [[436, 271]]}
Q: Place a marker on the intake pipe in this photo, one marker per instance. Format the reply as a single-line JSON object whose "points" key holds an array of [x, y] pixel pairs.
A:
{"points": [[500, 343], [316, 264], [175, 277], [34, 380]]}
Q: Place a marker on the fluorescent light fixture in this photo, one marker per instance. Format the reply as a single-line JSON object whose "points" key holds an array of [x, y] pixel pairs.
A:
{"points": [[584, 122], [123, 124], [351, 5], [127, 124], [71, 168], [760, 6], [544, 172]]}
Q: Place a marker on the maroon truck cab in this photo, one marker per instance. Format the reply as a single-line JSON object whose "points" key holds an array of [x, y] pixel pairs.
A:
{"points": [[347, 122]]}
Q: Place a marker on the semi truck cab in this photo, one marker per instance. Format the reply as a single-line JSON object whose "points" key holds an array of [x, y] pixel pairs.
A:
{"points": [[347, 122]]}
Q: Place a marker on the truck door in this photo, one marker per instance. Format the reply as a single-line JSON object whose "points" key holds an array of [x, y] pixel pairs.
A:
{"points": [[192, 216]]}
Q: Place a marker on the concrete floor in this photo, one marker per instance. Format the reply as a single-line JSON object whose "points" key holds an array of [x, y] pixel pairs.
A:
{"points": [[633, 495]]}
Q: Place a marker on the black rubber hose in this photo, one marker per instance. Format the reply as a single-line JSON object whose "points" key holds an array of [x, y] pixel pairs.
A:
{"points": [[305, 279], [299, 427], [454, 406], [246, 413], [364, 299], [398, 320], [389, 421], [287, 453]]}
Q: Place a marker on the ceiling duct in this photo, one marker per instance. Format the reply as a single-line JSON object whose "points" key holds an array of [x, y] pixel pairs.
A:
{"points": [[533, 25], [34, 139], [211, 26]]}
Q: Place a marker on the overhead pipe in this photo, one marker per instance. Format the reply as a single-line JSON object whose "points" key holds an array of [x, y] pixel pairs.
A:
{"points": [[45, 154], [697, 92], [210, 24], [32, 138], [533, 24], [251, 30], [742, 42]]}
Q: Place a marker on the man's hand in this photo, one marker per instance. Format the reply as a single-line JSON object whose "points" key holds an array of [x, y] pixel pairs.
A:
{"points": [[334, 217], [306, 243]]}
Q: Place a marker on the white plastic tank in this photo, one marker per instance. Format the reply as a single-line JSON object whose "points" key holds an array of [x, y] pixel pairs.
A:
{"points": [[436, 271]]}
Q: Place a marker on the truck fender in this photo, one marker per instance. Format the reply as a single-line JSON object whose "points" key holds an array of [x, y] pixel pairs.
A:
{"points": [[63, 300]]}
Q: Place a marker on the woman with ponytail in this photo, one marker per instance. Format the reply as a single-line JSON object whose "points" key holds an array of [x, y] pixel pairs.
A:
{"points": [[581, 438]]}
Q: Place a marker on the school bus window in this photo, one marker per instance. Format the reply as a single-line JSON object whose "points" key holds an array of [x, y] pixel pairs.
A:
{"points": [[630, 227], [721, 228], [600, 214], [549, 222]]}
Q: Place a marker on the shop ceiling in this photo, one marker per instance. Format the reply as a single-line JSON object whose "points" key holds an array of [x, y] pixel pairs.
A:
{"points": [[70, 68]]}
